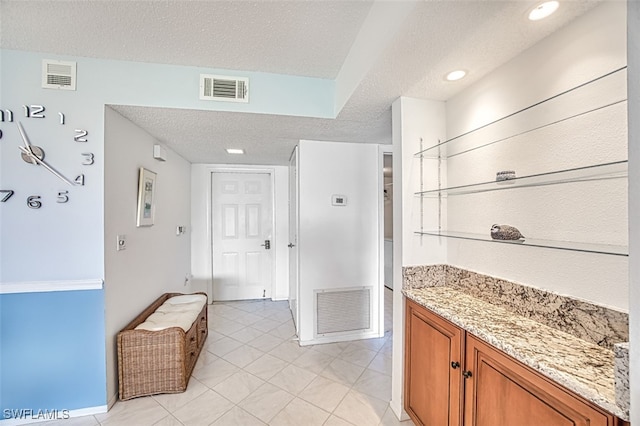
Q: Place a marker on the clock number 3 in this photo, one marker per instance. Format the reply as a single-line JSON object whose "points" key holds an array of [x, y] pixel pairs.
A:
{"points": [[6, 197], [88, 159]]}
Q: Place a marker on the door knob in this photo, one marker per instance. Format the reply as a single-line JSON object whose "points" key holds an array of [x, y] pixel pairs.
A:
{"points": [[290, 245], [266, 245], [455, 364]]}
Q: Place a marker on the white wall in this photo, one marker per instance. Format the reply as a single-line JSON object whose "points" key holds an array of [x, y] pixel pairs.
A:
{"points": [[201, 243], [339, 247], [412, 119], [633, 51], [590, 47], [156, 260]]}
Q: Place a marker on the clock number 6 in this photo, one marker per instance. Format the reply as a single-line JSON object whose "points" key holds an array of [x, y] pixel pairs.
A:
{"points": [[34, 202], [6, 197]]}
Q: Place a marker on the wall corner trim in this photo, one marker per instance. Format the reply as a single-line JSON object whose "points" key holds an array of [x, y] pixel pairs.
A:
{"points": [[48, 286]]}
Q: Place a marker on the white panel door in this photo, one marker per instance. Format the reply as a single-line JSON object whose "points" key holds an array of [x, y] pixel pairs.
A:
{"points": [[242, 227]]}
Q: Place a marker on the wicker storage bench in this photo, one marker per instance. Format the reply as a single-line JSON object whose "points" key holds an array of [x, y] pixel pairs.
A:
{"points": [[152, 362]]}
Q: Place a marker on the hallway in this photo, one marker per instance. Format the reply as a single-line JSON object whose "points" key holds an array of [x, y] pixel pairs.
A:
{"points": [[252, 372]]}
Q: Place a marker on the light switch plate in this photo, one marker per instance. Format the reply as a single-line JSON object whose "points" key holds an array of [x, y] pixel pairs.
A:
{"points": [[122, 242]]}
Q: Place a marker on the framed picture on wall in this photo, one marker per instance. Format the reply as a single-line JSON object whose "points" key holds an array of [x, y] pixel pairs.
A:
{"points": [[146, 197]]}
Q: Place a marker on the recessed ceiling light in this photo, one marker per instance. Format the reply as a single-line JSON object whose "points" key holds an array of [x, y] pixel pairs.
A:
{"points": [[543, 10], [235, 151], [456, 75]]}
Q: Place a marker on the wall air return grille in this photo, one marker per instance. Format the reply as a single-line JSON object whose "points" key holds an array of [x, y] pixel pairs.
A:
{"points": [[224, 88], [58, 75], [343, 310]]}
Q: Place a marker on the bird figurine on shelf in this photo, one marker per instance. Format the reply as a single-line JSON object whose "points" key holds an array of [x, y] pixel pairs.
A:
{"points": [[505, 232]]}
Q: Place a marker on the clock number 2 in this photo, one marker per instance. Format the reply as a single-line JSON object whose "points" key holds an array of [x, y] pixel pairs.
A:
{"points": [[34, 202], [81, 135], [6, 197]]}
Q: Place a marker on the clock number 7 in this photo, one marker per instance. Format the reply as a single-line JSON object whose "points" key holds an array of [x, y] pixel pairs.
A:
{"points": [[6, 197]]}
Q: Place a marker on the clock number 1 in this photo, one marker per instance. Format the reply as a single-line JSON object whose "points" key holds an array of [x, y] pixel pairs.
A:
{"points": [[6, 197]]}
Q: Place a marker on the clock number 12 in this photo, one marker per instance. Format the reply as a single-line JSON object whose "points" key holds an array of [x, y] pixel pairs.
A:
{"points": [[33, 111]]}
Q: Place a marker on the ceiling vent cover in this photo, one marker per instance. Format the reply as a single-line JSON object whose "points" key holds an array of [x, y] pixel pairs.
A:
{"points": [[58, 75], [224, 88]]}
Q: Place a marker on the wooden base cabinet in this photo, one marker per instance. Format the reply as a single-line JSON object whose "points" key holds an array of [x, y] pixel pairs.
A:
{"points": [[433, 384], [454, 378]]}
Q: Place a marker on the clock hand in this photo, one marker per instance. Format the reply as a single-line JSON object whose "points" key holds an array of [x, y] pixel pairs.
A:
{"points": [[29, 152], [23, 134]]}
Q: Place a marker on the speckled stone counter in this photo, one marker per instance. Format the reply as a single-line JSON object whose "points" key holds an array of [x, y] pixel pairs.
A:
{"points": [[581, 366]]}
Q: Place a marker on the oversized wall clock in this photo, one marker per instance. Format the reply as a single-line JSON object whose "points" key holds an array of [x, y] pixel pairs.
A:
{"points": [[32, 135]]}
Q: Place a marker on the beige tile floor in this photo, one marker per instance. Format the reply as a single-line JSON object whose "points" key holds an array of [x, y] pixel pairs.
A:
{"points": [[253, 372]]}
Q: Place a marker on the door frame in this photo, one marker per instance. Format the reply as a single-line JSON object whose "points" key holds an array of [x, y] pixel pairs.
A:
{"points": [[242, 169], [382, 151], [294, 220]]}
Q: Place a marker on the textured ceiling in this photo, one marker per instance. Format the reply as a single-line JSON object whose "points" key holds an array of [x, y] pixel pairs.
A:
{"points": [[307, 38]]}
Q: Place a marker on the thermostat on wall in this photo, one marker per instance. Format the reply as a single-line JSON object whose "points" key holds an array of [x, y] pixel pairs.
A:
{"points": [[338, 200]]}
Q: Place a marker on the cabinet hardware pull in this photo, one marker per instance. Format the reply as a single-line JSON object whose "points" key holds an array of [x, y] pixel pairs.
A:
{"points": [[455, 364], [466, 374]]}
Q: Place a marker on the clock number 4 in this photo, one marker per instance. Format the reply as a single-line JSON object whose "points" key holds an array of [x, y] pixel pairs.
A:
{"points": [[9, 193], [79, 180]]}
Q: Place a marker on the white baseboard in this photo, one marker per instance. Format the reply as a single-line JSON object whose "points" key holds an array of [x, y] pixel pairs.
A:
{"points": [[48, 415]]}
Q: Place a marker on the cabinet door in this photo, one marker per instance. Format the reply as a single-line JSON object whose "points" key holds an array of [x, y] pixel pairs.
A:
{"points": [[502, 391], [433, 388]]}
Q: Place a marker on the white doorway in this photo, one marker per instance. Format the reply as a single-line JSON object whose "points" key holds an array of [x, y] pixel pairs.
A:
{"points": [[242, 235]]}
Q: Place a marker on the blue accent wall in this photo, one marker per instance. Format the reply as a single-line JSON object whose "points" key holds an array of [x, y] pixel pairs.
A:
{"points": [[52, 350]]}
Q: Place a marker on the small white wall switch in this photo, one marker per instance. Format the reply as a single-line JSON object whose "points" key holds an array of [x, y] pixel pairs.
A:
{"points": [[338, 200], [181, 229], [121, 242], [159, 153]]}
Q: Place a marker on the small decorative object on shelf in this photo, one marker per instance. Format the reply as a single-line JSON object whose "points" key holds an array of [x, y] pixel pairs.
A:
{"points": [[505, 175], [505, 232]]}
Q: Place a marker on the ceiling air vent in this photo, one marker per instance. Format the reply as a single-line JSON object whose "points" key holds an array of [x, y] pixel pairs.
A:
{"points": [[58, 75], [224, 88]]}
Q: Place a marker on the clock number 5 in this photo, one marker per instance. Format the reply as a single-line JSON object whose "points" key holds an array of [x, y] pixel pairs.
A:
{"points": [[6, 197], [34, 202], [63, 196]]}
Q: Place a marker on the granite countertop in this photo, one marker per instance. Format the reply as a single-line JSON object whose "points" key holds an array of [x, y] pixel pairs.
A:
{"points": [[583, 367]]}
